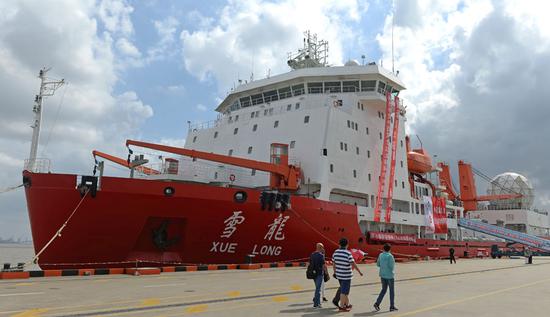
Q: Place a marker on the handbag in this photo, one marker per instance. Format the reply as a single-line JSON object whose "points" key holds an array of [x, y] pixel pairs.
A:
{"points": [[310, 272], [326, 276]]}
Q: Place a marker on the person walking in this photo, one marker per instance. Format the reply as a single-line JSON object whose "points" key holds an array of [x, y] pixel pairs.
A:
{"points": [[343, 271], [452, 255], [317, 262], [386, 263], [528, 255]]}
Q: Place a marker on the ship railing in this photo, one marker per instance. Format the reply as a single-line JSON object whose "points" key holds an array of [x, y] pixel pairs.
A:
{"points": [[39, 165], [205, 125]]}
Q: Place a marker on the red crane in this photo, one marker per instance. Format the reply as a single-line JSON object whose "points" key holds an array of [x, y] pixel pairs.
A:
{"points": [[125, 163], [283, 175]]}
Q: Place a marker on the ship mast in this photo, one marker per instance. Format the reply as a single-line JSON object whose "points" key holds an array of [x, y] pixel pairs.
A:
{"points": [[47, 88]]}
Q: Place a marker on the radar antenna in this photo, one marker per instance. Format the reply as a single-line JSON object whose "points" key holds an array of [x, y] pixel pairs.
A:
{"points": [[314, 53]]}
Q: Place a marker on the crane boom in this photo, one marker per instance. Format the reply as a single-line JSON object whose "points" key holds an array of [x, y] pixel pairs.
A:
{"points": [[123, 162], [283, 175]]}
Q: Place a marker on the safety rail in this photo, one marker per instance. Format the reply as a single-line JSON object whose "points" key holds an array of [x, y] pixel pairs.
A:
{"points": [[39, 165]]}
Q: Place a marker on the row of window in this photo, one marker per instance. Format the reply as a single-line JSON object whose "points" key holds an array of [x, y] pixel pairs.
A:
{"points": [[312, 88], [254, 128], [256, 114], [331, 168], [353, 125], [230, 152]]}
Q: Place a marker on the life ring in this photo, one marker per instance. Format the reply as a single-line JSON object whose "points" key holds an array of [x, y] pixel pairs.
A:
{"points": [[232, 177]]}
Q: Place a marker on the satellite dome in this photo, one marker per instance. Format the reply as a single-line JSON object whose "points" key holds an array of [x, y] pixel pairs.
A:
{"points": [[511, 183], [352, 62]]}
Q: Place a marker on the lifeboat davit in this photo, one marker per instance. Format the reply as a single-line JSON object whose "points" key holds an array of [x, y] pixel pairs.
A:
{"points": [[418, 160]]}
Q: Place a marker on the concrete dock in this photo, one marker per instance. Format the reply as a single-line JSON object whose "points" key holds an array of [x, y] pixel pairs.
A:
{"points": [[477, 287]]}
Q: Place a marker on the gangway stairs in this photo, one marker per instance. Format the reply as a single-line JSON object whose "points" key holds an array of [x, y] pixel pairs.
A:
{"points": [[506, 234]]}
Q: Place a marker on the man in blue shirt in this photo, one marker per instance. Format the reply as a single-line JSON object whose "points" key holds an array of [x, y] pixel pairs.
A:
{"points": [[317, 260], [386, 263]]}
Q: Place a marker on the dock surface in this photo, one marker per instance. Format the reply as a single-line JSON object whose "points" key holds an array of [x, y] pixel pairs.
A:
{"points": [[476, 287]]}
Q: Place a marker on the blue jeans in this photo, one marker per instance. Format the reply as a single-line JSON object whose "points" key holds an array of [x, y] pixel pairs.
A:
{"points": [[385, 283], [317, 296]]}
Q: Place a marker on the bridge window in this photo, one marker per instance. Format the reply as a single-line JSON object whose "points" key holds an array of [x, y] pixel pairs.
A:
{"points": [[403, 185], [245, 101], [368, 154], [345, 147], [252, 114], [333, 86], [349, 124], [354, 174], [255, 127], [292, 144], [369, 178], [285, 93], [341, 146], [215, 134], [257, 99], [253, 172], [236, 118], [368, 85], [288, 107], [230, 152], [194, 139], [271, 96], [298, 90], [325, 152], [367, 129], [401, 163], [306, 119], [380, 135], [235, 131], [381, 87], [351, 86], [357, 150], [276, 124], [297, 106], [314, 88], [331, 168], [249, 150]]}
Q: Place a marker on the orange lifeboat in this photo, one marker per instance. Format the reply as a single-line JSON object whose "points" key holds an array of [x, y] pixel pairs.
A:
{"points": [[418, 160]]}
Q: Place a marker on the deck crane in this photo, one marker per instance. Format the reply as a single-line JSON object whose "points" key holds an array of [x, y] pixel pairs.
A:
{"points": [[284, 176], [468, 192], [143, 169]]}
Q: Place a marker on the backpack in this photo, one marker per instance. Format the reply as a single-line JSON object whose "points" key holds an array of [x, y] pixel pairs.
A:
{"points": [[310, 271]]}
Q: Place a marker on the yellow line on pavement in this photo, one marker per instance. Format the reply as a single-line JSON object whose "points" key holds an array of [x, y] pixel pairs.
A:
{"points": [[453, 302], [31, 313]]}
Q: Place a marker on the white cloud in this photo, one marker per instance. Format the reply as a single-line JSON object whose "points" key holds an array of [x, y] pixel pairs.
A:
{"points": [[254, 36], [66, 37], [166, 30], [475, 73]]}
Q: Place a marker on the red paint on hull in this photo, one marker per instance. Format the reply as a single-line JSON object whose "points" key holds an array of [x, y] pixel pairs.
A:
{"points": [[117, 227]]}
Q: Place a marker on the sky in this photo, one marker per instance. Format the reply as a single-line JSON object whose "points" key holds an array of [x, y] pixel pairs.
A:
{"points": [[475, 72]]}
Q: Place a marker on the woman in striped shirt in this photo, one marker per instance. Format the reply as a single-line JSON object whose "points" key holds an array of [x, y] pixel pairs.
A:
{"points": [[343, 271]]}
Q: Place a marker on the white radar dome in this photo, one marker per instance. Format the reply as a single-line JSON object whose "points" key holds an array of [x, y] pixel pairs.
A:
{"points": [[511, 183], [352, 62]]}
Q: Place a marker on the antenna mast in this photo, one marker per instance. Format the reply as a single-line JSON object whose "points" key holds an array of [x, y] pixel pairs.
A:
{"points": [[47, 88], [392, 24], [314, 53]]}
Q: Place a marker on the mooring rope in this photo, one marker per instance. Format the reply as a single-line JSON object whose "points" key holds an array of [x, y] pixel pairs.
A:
{"points": [[9, 189], [58, 232]]}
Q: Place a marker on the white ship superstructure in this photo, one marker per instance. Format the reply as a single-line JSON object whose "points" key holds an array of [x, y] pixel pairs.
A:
{"points": [[333, 119]]}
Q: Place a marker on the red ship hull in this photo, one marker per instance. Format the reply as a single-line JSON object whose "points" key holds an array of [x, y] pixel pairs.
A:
{"points": [[133, 221]]}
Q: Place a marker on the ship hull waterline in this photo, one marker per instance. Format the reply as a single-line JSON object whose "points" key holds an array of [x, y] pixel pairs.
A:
{"points": [[133, 222]]}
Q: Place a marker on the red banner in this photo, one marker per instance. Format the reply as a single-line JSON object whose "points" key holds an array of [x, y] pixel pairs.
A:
{"points": [[439, 214], [392, 237]]}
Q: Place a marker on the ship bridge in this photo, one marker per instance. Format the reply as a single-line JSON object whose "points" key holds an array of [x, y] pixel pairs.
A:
{"points": [[364, 80]]}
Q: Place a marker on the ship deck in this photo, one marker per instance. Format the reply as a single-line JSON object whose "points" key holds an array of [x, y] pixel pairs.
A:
{"points": [[480, 287]]}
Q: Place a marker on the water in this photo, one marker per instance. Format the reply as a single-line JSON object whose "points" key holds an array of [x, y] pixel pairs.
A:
{"points": [[17, 253]]}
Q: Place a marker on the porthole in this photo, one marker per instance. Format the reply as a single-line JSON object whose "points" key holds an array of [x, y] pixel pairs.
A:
{"points": [[169, 191], [240, 197]]}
